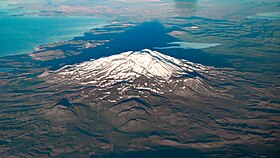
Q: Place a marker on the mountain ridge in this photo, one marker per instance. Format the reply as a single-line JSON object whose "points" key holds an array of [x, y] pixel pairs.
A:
{"points": [[140, 70], [123, 65]]}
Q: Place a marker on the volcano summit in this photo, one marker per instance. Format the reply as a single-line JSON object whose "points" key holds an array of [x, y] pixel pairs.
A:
{"points": [[145, 69], [136, 91]]}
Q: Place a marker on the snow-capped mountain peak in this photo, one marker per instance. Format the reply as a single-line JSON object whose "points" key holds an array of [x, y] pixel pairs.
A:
{"points": [[128, 65], [145, 69]]}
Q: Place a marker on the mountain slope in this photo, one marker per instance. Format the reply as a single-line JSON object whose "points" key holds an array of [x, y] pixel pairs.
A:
{"points": [[146, 69], [145, 100]]}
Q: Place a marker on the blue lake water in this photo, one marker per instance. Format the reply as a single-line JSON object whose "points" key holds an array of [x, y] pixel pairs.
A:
{"points": [[189, 45], [20, 34], [141, 37]]}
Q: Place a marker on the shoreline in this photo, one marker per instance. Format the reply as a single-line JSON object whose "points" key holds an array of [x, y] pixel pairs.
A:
{"points": [[55, 36]]}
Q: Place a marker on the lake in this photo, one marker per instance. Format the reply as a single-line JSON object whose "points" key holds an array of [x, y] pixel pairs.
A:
{"points": [[20, 34]]}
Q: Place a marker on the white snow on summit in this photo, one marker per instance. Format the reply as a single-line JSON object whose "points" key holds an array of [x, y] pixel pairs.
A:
{"points": [[126, 66], [140, 70], [129, 64]]}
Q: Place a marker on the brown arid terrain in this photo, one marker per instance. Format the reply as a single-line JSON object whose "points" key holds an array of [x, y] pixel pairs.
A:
{"points": [[164, 78]]}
